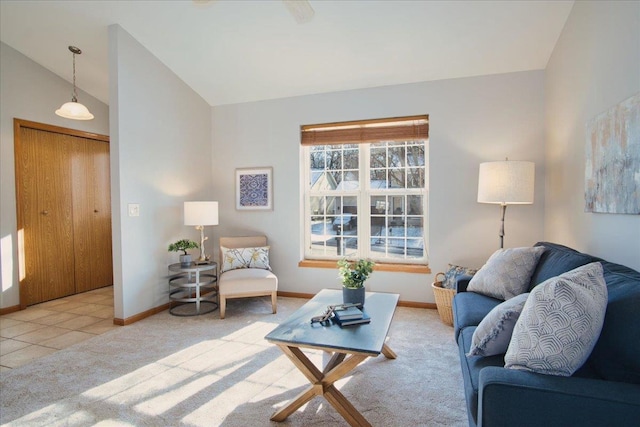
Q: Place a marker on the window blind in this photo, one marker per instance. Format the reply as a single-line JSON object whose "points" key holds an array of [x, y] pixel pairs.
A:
{"points": [[361, 131]]}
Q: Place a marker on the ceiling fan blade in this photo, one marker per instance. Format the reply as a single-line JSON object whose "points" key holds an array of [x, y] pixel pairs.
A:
{"points": [[300, 9]]}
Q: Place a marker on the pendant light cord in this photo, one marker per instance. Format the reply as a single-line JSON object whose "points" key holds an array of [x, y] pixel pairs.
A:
{"points": [[75, 95]]}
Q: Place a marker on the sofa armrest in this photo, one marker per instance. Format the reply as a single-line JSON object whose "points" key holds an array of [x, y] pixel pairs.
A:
{"points": [[509, 397], [462, 282]]}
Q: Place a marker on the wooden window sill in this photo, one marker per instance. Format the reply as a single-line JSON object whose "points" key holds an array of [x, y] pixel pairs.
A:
{"points": [[403, 268]]}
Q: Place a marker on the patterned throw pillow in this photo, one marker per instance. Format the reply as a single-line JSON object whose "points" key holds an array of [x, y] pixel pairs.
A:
{"points": [[493, 334], [452, 274], [507, 272], [560, 323], [234, 258]]}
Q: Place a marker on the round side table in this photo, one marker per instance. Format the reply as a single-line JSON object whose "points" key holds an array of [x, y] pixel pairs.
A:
{"points": [[193, 286]]}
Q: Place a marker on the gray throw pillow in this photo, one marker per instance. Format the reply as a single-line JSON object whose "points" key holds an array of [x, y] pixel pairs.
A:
{"points": [[506, 273], [493, 334], [560, 323]]}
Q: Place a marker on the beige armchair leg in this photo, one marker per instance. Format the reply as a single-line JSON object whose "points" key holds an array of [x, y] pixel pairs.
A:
{"points": [[274, 302], [223, 305]]}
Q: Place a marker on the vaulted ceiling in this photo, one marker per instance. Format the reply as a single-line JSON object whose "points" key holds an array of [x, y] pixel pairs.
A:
{"points": [[241, 51]]}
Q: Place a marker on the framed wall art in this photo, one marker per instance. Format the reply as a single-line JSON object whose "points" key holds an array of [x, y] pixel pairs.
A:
{"points": [[612, 170], [254, 188]]}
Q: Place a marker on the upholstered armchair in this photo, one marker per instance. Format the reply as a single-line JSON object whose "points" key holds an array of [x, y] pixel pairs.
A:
{"points": [[245, 270]]}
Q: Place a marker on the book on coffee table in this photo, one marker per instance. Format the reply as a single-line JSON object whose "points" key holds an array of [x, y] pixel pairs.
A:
{"points": [[363, 320], [348, 313]]}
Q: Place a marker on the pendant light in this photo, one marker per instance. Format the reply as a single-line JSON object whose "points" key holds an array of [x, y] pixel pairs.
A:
{"points": [[74, 110]]}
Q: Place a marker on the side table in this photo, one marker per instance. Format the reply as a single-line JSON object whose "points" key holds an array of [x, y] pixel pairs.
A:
{"points": [[196, 285]]}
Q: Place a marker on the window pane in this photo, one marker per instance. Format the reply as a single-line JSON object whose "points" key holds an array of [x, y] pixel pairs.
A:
{"points": [[415, 178], [378, 156], [396, 178], [415, 155], [414, 205], [396, 157], [351, 159]]}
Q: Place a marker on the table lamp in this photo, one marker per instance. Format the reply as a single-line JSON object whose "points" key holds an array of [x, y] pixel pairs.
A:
{"points": [[201, 214], [506, 183]]}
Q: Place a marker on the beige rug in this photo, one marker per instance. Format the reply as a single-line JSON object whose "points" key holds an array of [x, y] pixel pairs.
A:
{"points": [[203, 371]]}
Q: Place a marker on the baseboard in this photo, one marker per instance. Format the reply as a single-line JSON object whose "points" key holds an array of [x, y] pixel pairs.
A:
{"points": [[411, 304], [8, 310], [140, 316]]}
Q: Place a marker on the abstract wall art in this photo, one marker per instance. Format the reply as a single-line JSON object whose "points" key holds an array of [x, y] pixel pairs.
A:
{"points": [[612, 169], [254, 189]]}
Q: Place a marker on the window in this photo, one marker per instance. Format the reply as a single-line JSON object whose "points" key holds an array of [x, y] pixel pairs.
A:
{"points": [[365, 190]]}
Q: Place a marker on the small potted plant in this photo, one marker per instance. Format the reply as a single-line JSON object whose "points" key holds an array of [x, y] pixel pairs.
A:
{"points": [[353, 275], [183, 245]]}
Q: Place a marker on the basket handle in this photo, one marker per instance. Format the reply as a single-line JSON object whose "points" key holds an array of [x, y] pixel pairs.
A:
{"points": [[438, 274]]}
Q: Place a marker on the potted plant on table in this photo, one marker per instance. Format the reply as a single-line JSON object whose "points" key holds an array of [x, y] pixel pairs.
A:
{"points": [[353, 275], [183, 245]]}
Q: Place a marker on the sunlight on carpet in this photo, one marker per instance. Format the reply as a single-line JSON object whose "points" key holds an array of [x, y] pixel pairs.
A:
{"points": [[204, 371]]}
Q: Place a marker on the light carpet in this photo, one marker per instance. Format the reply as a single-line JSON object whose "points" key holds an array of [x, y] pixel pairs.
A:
{"points": [[203, 371]]}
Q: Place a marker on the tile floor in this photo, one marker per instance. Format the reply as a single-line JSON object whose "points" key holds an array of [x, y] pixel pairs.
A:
{"points": [[44, 328]]}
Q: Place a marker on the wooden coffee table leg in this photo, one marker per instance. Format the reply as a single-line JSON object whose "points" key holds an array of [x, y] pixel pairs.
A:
{"points": [[322, 385], [388, 353]]}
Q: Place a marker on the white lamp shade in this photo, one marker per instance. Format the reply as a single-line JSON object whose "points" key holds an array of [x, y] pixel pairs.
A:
{"points": [[74, 110], [506, 182], [200, 213]]}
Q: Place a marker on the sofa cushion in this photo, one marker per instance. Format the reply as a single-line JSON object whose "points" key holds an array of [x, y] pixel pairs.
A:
{"points": [[469, 308], [494, 332], [471, 367], [557, 259], [616, 354], [560, 323], [506, 273]]}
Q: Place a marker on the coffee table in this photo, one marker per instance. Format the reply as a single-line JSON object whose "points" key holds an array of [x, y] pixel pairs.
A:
{"points": [[349, 346]]}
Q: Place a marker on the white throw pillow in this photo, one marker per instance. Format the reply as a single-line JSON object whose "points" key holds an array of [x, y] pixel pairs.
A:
{"points": [[506, 273], [560, 323], [234, 258], [493, 334]]}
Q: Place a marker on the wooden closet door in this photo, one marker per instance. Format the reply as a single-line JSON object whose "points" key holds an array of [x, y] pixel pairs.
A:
{"points": [[91, 213], [45, 220]]}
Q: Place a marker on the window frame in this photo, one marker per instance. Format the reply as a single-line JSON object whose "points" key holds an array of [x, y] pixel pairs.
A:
{"points": [[364, 194]]}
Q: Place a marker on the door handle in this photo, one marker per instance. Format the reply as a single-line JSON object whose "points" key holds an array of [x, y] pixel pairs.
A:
{"points": [[45, 212], [95, 210]]}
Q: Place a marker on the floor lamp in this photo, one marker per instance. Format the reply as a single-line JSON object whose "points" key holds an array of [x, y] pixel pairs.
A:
{"points": [[201, 214], [506, 183]]}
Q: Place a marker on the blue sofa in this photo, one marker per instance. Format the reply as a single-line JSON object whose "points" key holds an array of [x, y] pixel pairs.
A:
{"points": [[605, 391]]}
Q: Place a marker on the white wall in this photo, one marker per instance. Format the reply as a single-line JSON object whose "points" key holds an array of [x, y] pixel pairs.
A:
{"points": [[31, 92], [471, 120], [160, 157], [594, 66]]}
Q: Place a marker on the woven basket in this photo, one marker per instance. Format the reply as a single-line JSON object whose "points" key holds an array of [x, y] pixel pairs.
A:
{"points": [[444, 298]]}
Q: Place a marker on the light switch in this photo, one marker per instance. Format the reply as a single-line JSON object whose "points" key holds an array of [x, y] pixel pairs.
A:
{"points": [[134, 209]]}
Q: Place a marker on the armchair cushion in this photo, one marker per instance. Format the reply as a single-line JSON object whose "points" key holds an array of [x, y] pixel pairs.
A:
{"points": [[247, 280]]}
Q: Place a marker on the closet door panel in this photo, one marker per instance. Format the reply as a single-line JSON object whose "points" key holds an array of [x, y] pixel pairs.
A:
{"points": [[101, 229], [45, 216], [92, 214]]}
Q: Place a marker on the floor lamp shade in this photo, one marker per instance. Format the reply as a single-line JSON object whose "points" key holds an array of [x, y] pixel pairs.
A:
{"points": [[506, 182], [200, 214]]}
